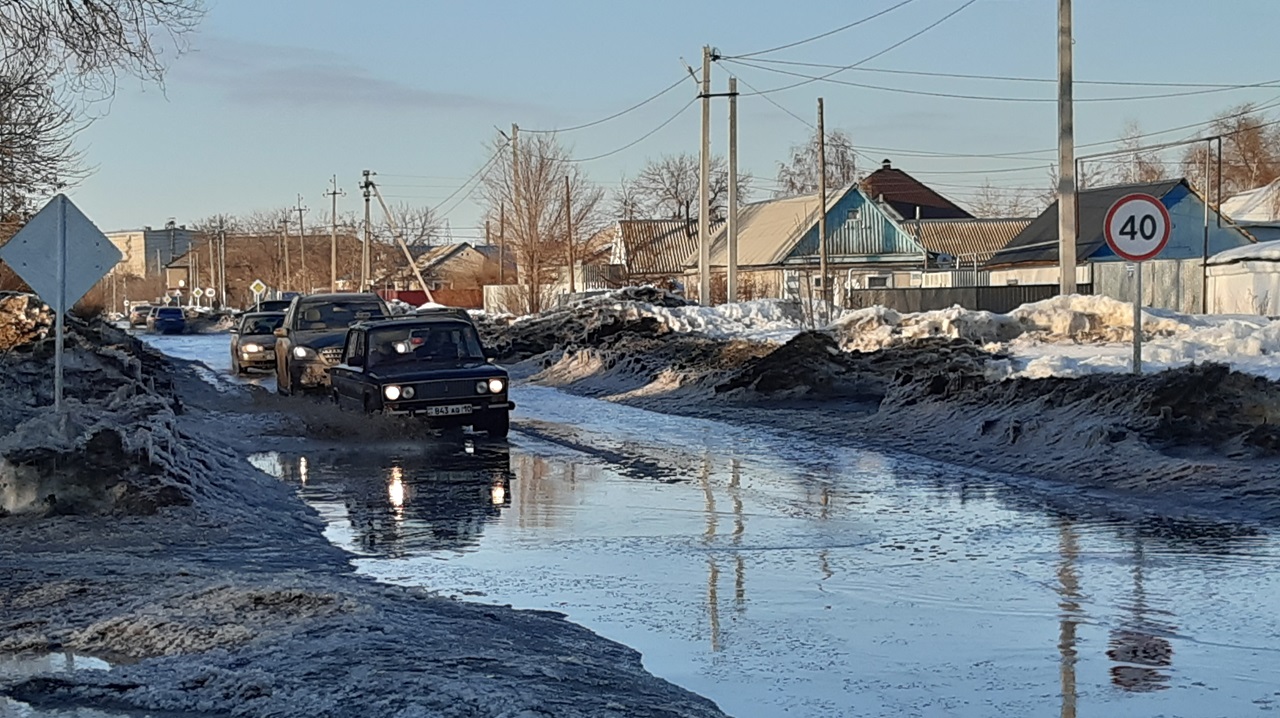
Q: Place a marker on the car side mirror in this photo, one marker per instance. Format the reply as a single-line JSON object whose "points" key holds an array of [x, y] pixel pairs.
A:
{"points": [[281, 332], [355, 360]]}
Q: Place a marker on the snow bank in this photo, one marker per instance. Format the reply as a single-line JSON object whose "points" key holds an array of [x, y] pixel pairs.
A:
{"points": [[1263, 251]]}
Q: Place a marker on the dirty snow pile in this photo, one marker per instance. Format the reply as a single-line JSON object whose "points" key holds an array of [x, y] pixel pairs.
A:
{"points": [[1076, 335]]}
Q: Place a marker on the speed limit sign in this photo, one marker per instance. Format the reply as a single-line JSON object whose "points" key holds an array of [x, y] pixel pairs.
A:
{"points": [[1137, 227]]}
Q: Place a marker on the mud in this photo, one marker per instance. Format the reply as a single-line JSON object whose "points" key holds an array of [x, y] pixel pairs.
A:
{"points": [[135, 528], [1199, 437]]}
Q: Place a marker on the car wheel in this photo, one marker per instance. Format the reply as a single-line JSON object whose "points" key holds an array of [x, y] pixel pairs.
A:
{"points": [[499, 426]]}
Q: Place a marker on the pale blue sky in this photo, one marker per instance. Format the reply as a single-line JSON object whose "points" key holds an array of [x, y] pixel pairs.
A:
{"points": [[277, 95]]}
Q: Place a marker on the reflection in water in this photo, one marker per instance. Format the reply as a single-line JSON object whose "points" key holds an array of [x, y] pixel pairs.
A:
{"points": [[438, 498], [1136, 648], [1070, 616]]}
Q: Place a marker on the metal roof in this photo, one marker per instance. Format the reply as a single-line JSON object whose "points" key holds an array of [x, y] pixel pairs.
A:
{"points": [[767, 231], [658, 247], [966, 239], [1038, 243], [906, 193]]}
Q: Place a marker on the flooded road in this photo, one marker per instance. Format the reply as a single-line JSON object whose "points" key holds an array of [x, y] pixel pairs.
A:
{"points": [[782, 576]]}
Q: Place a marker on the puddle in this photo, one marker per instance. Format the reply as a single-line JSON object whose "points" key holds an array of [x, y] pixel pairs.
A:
{"points": [[19, 668]]}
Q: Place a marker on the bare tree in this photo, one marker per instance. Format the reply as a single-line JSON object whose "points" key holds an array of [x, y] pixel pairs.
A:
{"points": [[668, 187], [534, 196], [625, 202], [419, 226], [1137, 164], [799, 175], [991, 202], [1088, 176], [1250, 154]]}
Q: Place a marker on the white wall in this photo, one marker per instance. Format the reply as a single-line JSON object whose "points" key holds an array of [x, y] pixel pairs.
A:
{"points": [[1036, 275], [1245, 288]]}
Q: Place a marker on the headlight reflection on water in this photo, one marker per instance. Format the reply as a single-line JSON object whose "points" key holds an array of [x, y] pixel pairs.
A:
{"points": [[395, 489], [498, 494]]}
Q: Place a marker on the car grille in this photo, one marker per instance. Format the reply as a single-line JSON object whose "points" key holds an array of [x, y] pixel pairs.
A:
{"points": [[331, 355], [446, 389]]}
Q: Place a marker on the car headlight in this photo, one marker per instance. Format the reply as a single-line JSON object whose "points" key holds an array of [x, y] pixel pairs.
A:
{"points": [[496, 386], [482, 387], [303, 352], [391, 392], [407, 392], [251, 348]]}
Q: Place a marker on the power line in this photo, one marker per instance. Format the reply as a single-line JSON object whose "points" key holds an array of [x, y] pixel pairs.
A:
{"points": [[996, 98], [478, 173], [869, 58], [614, 116], [640, 139], [828, 33], [1008, 78]]}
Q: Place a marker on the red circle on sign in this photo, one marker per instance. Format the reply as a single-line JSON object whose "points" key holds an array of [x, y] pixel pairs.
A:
{"points": [[1145, 199]]}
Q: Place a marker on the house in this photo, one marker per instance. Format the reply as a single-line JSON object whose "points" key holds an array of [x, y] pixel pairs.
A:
{"points": [[652, 250], [1257, 211], [959, 247], [1245, 280], [461, 266], [867, 246], [908, 197], [1032, 256], [148, 251]]}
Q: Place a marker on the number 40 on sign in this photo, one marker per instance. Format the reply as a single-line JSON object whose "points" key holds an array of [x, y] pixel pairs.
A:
{"points": [[1137, 229]]}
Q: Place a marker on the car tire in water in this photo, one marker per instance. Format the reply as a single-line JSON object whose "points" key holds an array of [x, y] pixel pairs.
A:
{"points": [[282, 380]]}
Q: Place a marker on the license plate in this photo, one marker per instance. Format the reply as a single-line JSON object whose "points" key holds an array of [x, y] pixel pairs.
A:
{"points": [[451, 410]]}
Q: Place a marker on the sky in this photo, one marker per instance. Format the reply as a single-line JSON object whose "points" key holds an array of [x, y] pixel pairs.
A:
{"points": [[273, 97]]}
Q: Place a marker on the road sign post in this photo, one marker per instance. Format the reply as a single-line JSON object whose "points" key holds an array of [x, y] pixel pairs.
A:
{"points": [[258, 287], [1137, 228]]}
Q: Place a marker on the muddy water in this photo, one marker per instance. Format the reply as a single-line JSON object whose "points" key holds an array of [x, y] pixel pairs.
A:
{"points": [[780, 576]]}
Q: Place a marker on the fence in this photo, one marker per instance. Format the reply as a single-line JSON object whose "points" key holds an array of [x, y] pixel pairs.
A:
{"points": [[1176, 284], [924, 299]]}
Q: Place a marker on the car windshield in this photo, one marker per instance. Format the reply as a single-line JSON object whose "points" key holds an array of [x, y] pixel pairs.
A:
{"points": [[170, 313], [451, 343], [261, 325], [335, 315]]}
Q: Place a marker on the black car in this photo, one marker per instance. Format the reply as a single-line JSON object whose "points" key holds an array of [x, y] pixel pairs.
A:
{"points": [[309, 341], [253, 341], [428, 364], [273, 305]]}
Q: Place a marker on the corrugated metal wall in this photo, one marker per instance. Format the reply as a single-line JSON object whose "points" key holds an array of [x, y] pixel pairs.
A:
{"points": [[992, 299], [1175, 284], [858, 228]]}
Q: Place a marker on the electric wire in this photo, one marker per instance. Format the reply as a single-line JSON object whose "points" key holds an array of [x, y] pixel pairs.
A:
{"points": [[614, 116], [828, 33]]}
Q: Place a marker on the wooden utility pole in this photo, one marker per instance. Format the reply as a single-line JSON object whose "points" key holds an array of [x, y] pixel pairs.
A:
{"points": [[1067, 200], [222, 261], [822, 206], [284, 234], [395, 231], [731, 232], [704, 185], [365, 270], [302, 246], [334, 193], [568, 234]]}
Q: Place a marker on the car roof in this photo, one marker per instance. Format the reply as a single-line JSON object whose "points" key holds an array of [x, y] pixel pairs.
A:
{"points": [[255, 315], [338, 297], [412, 320]]}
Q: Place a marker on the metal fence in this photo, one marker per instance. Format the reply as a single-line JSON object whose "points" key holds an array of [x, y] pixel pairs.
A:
{"points": [[1001, 299]]}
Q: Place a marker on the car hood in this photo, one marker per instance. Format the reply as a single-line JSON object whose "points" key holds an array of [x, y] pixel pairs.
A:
{"points": [[321, 339], [418, 372], [268, 340]]}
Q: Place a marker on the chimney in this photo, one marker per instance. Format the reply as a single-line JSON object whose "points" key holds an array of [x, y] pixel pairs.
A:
{"points": [[886, 165]]}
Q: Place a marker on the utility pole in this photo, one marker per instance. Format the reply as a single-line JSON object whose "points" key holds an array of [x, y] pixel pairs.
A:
{"points": [[222, 261], [302, 246], [395, 231], [731, 232], [822, 206], [704, 185], [334, 193], [366, 186], [1067, 200], [502, 243], [568, 222], [284, 234], [515, 172]]}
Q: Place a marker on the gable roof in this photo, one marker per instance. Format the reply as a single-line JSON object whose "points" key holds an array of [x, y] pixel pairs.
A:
{"points": [[1038, 243], [656, 247], [905, 193], [433, 257], [768, 230], [1257, 205], [966, 239]]}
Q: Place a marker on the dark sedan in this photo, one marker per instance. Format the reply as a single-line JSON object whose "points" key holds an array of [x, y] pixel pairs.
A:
{"points": [[167, 320], [428, 366], [309, 341], [253, 341]]}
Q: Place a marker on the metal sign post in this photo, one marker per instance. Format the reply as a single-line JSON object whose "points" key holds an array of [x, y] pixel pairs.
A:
{"points": [[258, 288], [1137, 228], [81, 256]]}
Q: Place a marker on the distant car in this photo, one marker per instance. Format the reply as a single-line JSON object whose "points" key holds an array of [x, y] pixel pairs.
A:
{"points": [[167, 320], [309, 341], [253, 341], [138, 314], [429, 364], [273, 305]]}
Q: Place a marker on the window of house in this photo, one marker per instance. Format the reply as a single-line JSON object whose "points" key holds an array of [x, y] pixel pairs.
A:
{"points": [[877, 282], [854, 214]]}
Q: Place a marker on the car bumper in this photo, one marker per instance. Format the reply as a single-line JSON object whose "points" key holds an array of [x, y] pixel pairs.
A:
{"points": [[260, 359], [479, 410], [309, 374]]}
